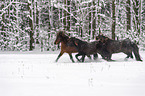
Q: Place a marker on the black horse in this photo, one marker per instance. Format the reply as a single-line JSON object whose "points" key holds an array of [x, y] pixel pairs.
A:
{"points": [[87, 48], [116, 46]]}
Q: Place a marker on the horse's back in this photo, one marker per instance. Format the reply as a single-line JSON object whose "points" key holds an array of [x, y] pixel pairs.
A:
{"points": [[114, 46], [91, 48]]}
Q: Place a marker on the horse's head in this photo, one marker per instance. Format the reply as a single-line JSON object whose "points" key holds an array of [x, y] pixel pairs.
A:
{"points": [[59, 37], [102, 38]]}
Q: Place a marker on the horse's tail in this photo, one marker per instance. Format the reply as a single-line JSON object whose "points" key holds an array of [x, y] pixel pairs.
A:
{"points": [[136, 51]]}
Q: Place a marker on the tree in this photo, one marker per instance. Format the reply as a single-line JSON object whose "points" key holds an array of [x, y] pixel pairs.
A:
{"points": [[99, 17], [2, 6], [66, 20], [113, 19], [136, 17], [128, 15], [31, 32], [94, 19], [23, 23]]}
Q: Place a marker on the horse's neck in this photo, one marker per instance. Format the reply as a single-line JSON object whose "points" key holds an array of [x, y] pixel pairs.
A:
{"points": [[63, 43], [108, 41], [65, 39], [83, 43]]}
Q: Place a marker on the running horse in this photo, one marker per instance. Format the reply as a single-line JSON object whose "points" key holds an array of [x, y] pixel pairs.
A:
{"points": [[65, 48], [115, 46], [88, 48]]}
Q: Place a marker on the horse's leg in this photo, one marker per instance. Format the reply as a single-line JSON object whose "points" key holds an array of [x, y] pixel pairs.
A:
{"points": [[70, 55], [136, 52], [108, 58], [89, 57], [95, 56], [83, 58], [126, 58], [106, 55], [131, 55], [60, 54], [77, 57], [127, 55], [128, 52]]}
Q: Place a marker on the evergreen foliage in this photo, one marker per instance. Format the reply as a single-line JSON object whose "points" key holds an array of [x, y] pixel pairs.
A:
{"points": [[27, 23]]}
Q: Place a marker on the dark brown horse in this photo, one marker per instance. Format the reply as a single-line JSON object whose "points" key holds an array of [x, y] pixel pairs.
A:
{"points": [[116, 46], [63, 39], [66, 47], [86, 48]]}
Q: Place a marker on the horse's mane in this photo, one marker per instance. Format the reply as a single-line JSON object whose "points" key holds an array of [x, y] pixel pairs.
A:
{"points": [[108, 38], [79, 40], [105, 36], [63, 35]]}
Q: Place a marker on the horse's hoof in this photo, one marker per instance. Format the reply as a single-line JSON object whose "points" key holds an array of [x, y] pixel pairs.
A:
{"points": [[140, 60]]}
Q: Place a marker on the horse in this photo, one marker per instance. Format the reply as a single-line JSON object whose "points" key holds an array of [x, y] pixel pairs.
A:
{"points": [[87, 48], [62, 38], [116, 46]]}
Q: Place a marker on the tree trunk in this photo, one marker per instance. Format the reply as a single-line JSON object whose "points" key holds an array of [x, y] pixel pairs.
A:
{"points": [[3, 21], [90, 19], [37, 23], [94, 20], [128, 14], [113, 19], [66, 20], [136, 6], [37, 15], [3, 16], [99, 17], [31, 27]]}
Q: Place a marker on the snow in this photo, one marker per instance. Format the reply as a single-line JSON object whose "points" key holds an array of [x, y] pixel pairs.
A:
{"points": [[37, 74]]}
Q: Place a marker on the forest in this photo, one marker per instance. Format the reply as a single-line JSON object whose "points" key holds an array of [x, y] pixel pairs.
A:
{"points": [[27, 23]]}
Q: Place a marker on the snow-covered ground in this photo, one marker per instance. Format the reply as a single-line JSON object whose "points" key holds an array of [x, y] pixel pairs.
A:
{"points": [[37, 74]]}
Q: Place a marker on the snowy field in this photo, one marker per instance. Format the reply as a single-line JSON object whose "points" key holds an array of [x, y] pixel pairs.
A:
{"points": [[37, 74]]}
